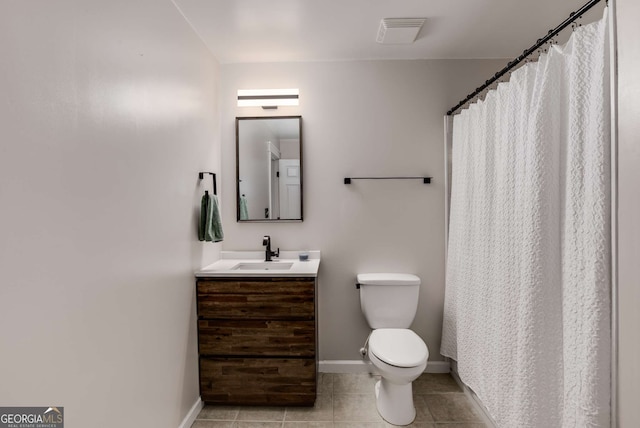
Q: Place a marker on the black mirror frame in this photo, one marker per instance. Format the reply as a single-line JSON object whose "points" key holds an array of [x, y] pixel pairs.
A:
{"points": [[238, 119]]}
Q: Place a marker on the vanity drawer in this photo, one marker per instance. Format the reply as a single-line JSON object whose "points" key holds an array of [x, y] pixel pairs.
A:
{"points": [[269, 338], [258, 381], [262, 298]]}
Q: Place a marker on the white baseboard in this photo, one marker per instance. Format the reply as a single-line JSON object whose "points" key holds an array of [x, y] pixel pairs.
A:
{"points": [[192, 414], [361, 366], [437, 367]]}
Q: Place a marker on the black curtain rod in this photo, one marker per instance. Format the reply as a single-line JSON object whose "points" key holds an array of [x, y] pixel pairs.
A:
{"points": [[572, 17]]}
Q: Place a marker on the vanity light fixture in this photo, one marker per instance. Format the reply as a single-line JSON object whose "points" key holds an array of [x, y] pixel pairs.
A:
{"points": [[267, 98]]}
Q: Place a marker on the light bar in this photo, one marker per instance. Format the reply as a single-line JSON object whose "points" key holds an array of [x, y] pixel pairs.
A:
{"points": [[267, 98]]}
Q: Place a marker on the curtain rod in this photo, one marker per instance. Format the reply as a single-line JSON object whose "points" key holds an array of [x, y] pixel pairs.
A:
{"points": [[572, 17]]}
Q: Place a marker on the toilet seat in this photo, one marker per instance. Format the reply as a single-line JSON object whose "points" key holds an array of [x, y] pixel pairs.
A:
{"points": [[398, 347]]}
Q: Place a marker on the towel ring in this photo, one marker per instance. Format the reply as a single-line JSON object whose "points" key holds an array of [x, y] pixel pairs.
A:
{"points": [[213, 177]]}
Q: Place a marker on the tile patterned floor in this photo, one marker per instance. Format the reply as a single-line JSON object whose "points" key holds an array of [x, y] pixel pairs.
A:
{"points": [[348, 401]]}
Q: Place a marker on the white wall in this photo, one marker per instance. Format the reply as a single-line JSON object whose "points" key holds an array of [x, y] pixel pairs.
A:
{"points": [[290, 148], [108, 111], [255, 171], [360, 119], [628, 212]]}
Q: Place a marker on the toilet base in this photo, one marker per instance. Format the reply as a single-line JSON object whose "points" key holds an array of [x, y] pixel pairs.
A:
{"points": [[395, 402]]}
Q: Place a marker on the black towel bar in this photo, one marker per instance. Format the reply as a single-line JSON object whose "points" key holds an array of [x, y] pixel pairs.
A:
{"points": [[426, 180]]}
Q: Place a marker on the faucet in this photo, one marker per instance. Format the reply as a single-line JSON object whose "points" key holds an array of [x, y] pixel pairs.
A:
{"points": [[266, 240]]}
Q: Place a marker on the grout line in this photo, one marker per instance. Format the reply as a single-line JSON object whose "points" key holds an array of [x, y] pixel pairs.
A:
{"points": [[333, 400]]}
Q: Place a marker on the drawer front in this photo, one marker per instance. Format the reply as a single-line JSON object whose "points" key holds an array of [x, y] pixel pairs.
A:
{"points": [[255, 381], [257, 337], [275, 298]]}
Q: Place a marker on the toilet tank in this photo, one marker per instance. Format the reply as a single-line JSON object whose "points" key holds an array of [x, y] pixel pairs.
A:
{"points": [[389, 300]]}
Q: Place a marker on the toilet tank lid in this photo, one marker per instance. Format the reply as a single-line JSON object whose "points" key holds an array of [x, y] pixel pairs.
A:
{"points": [[388, 279]]}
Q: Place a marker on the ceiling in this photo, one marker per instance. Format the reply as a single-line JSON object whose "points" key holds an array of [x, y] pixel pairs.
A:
{"points": [[245, 31]]}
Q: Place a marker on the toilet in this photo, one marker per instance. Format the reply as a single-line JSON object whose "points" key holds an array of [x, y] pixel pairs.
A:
{"points": [[389, 302]]}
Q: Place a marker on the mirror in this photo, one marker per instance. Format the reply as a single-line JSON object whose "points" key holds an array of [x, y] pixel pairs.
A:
{"points": [[269, 168]]}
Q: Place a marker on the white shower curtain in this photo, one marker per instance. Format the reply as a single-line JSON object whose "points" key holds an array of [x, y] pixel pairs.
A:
{"points": [[527, 307]]}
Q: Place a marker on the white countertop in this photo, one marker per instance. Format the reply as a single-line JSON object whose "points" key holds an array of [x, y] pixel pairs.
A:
{"points": [[230, 259]]}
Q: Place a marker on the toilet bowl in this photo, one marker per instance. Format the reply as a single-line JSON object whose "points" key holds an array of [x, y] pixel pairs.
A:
{"points": [[389, 302], [400, 356]]}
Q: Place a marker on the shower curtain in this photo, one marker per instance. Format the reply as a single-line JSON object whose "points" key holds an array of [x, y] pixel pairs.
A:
{"points": [[527, 306]]}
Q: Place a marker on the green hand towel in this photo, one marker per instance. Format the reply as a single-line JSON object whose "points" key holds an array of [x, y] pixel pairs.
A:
{"points": [[244, 210], [213, 227]]}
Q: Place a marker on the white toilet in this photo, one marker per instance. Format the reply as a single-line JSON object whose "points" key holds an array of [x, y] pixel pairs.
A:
{"points": [[389, 302]]}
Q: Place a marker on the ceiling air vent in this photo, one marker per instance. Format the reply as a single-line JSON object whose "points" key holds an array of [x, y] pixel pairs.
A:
{"points": [[395, 31]]}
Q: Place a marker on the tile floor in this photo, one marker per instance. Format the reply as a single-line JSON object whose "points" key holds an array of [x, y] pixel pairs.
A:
{"points": [[348, 401]]}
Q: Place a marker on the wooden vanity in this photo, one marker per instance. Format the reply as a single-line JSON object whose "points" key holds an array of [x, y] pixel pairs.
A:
{"points": [[257, 340]]}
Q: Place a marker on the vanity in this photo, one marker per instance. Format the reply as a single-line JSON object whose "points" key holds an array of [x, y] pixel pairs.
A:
{"points": [[257, 329]]}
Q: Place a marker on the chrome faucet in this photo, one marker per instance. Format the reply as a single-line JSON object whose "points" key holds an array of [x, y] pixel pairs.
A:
{"points": [[266, 240]]}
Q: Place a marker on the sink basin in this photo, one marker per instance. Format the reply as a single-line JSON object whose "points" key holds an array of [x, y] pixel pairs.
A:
{"points": [[262, 266]]}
